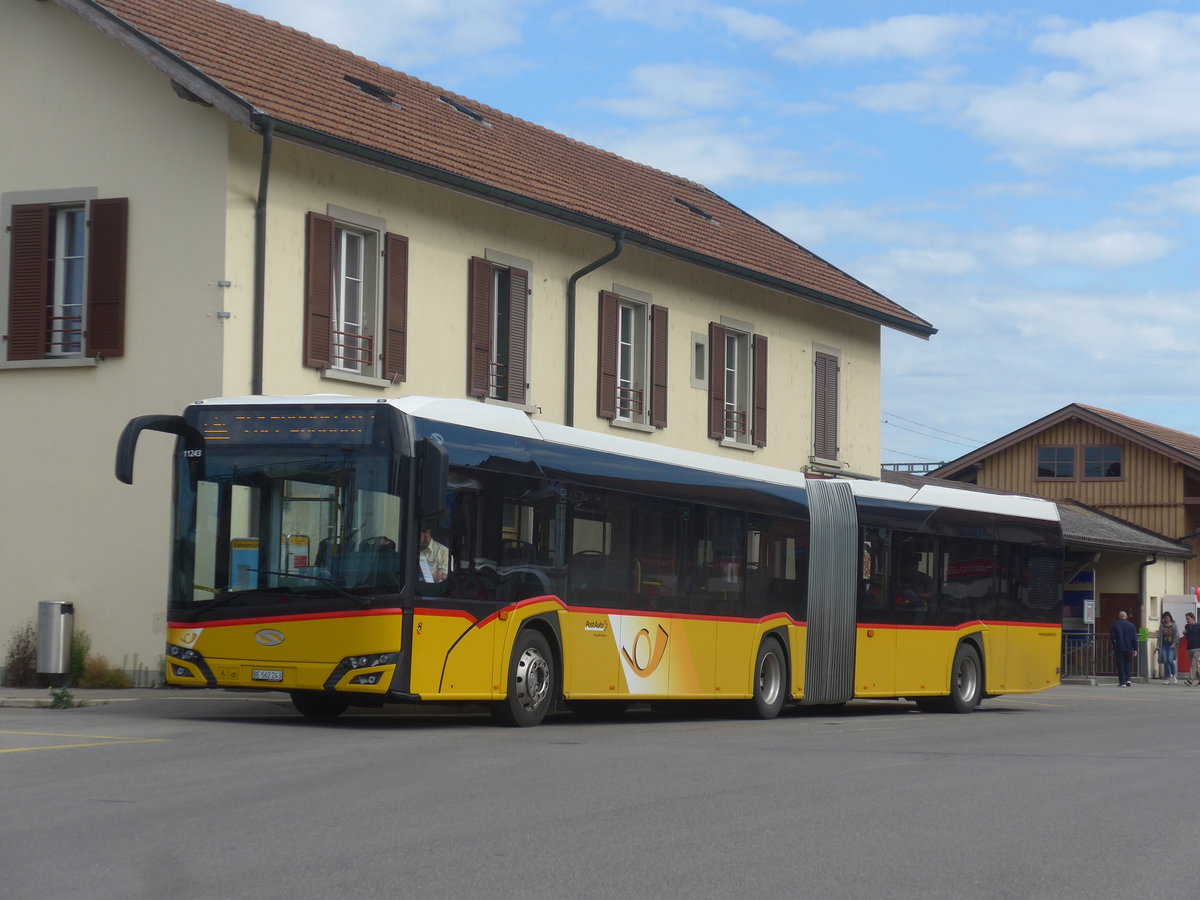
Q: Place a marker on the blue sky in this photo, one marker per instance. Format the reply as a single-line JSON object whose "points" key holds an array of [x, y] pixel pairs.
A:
{"points": [[1025, 178]]}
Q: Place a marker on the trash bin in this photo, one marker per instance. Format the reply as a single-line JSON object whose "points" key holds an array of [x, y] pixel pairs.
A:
{"points": [[56, 620]]}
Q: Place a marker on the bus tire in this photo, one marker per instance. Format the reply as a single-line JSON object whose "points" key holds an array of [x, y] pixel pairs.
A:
{"points": [[770, 679], [318, 705], [966, 680], [531, 681]]}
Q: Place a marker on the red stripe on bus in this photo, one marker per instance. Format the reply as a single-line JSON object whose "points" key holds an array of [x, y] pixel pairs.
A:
{"points": [[299, 617]]}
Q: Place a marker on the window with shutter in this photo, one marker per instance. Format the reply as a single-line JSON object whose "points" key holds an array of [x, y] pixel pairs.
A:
{"points": [[67, 269], [497, 316], [632, 361], [355, 297], [825, 406], [737, 384]]}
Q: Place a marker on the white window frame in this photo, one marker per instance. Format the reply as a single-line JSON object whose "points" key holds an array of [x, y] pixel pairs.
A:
{"points": [[68, 292], [739, 379], [699, 361], [354, 332], [633, 355], [500, 292]]}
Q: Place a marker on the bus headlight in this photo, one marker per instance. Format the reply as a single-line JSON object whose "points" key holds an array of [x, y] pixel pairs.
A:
{"points": [[365, 661]]}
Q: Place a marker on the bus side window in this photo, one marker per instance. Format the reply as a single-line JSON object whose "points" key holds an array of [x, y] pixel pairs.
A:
{"points": [[776, 567], [913, 587], [873, 584]]}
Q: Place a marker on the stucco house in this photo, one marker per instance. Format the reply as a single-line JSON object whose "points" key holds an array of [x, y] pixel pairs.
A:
{"points": [[206, 203]]}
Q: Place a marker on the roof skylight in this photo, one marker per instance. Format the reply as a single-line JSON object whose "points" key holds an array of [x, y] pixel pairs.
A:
{"points": [[691, 207], [374, 90], [466, 110]]}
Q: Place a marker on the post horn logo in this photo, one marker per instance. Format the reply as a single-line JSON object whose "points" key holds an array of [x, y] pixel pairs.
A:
{"points": [[269, 637], [646, 654]]}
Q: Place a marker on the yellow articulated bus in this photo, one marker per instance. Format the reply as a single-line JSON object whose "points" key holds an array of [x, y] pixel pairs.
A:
{"points": [[358, 553]]}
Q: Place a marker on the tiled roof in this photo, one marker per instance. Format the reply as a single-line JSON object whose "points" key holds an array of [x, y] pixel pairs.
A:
{"points": [[300, 81], [1185, 443]]}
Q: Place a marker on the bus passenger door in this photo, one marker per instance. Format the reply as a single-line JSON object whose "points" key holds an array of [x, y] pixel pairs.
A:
{"points": [[875, 657]]}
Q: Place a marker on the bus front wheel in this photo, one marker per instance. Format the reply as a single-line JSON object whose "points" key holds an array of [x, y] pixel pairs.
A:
{"points": [[318, 705], [531, 681], [770, 670], [966, 680]]}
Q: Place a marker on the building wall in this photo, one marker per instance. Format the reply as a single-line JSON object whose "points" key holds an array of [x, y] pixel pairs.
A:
{"points": [[69, 530], [445, 229]]}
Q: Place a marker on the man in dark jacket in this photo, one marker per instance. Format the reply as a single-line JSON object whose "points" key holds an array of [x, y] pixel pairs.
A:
{"points": [[1124, 642], [1191, 633]]}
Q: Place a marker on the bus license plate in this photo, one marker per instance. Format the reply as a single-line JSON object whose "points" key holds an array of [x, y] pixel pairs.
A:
{"points": [[266, 674]]}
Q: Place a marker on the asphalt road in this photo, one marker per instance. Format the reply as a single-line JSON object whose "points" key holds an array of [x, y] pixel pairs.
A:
{"points": [[1076, 792]]}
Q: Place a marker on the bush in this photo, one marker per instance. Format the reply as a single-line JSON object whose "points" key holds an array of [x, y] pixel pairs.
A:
{"points": [[97, 673], [81, 646], [20, 662]]}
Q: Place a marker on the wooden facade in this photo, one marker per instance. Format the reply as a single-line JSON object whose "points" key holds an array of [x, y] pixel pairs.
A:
{"points": [[1158, 487]]}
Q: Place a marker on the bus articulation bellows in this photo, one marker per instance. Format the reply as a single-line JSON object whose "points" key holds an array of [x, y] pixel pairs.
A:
{"points": [[358, 553]]}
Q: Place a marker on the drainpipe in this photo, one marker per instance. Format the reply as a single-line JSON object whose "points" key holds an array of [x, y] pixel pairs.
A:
{"points": [[1144, 654], [591, 267], [260, 259]]}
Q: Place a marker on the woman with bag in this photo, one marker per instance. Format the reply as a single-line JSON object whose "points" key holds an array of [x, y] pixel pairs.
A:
{"points": [[1168, 646]]}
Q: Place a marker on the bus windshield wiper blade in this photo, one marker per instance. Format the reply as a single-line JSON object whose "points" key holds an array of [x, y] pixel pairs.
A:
{"points": [[361, 601], [227, 596]]}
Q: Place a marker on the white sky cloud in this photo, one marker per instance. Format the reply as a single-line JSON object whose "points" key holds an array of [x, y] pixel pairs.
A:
{"points": [[908, 37], [405, 34], [1117, 92], [670, 90], [703, 150], [1182, 195]]}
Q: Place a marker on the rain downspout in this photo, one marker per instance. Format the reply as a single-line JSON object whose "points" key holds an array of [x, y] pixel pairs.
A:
{"points": [[260, 259], [569, 418], [1144, 654]]}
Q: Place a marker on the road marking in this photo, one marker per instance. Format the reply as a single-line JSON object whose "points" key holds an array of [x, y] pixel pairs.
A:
{"points": [[96, 740]]}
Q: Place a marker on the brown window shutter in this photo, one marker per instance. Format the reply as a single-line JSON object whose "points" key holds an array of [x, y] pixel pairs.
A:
{"points": [[825, 411], [518, 330], [318, 291], [395, 307], [658, 366], [108, 250], [28, 281], [716, 381], [479, 327], [759, 425], [606, 368]]}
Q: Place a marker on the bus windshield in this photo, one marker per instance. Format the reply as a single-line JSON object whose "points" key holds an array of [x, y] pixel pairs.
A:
{"points": [[271, 524]]}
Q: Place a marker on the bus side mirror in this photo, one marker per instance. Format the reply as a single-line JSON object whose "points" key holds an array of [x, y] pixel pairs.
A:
{"points": [[434, 478], [193, 441]]}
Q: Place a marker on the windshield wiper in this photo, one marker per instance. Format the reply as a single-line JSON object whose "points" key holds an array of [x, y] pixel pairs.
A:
{"points": [[227, 596], [361, 601]]}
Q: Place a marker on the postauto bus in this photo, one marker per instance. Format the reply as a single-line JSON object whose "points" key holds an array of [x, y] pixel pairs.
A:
{"points": [[359, 553]]}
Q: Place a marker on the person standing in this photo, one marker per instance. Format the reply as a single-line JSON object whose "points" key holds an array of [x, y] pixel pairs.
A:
{"points": [[1168, 646], [1124, 643], [1191, 633]]}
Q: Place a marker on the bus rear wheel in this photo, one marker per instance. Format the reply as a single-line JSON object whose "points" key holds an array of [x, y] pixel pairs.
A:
{"points": [[966, 680], [531, 682], [318, 705], [770, 670]]}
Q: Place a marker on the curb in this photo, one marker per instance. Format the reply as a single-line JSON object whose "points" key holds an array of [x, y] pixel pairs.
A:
{"points": [[46, 703]]}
